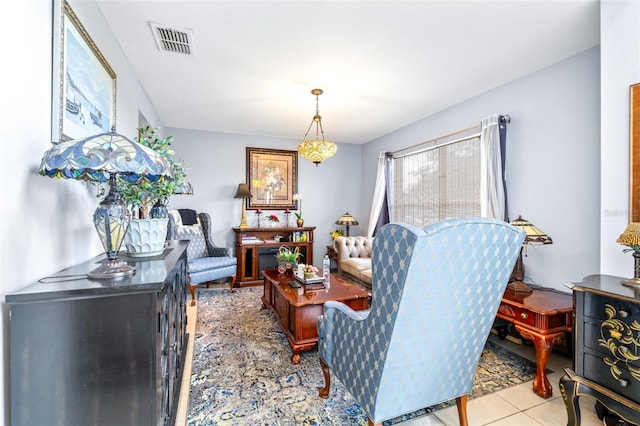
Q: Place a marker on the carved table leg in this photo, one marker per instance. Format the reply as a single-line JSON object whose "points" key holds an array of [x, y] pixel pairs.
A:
{"points": [[543, 344], [295, 358]]}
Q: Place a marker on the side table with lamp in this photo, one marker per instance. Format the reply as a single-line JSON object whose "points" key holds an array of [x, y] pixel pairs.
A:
{"points": [[539, 314]]}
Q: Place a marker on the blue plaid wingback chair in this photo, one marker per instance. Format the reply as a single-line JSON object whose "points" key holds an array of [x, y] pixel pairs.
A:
{"points": [[436, 292], [205, 261]]}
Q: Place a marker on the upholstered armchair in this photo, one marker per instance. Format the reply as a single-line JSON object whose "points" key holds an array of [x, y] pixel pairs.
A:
{"points": [[435, 295], [205, 261]]}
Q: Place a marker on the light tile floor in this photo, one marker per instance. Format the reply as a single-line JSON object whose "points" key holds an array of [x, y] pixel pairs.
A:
{"points": [[514, 406]]}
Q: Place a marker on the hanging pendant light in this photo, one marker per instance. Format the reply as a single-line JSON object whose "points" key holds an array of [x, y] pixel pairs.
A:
{"points": [[316, 150]]}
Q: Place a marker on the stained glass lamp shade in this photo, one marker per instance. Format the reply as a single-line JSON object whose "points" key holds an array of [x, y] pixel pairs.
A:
{"points": [[534, 237], [102, 158], [347, 220]]}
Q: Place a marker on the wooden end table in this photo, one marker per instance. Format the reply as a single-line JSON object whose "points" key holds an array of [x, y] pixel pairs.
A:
{"points": [[298, 309], [544, 316]]}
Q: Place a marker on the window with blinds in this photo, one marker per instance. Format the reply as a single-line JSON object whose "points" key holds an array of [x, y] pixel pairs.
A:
{"points": [[438, 183]]}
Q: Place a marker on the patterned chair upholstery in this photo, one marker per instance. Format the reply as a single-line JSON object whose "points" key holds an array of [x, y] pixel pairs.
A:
{"points": [[205, 261], [435, 295]]}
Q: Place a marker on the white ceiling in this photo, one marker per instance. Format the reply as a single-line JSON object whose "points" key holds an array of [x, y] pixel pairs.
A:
{"points": [[382, 64]]}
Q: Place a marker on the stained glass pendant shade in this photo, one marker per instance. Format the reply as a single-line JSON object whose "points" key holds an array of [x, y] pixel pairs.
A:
{"points": [[317, 150], [102, 158]]}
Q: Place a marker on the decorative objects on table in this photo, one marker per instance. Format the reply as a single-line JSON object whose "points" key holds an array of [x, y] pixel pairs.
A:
{"points": [[147, 237], [288, 259], [534, 237], [347, 220], [244, 193], [337, 233], [287, 221], [258, 214], [272, 177], [273, 220], [100, 158], [299, 220], [631, 238], [309, 271], [316, 150]]}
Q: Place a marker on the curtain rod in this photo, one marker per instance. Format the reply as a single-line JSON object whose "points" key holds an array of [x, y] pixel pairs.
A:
{"points": [[502, 119]]}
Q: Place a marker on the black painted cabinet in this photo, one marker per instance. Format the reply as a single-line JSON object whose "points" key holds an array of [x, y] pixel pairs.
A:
{"points": [[607, 349], [100, 352]]}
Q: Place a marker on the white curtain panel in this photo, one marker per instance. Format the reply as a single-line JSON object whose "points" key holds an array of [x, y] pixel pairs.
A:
{"points": [[378, 195], [492, 197]]}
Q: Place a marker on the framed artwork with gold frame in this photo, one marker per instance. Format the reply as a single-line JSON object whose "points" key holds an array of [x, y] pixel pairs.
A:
{"points": [[272, 175], [84, 84], [634, 153]]}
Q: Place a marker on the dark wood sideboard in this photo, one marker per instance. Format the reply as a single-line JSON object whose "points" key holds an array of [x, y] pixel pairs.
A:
{"points": [[606, 363], [257, 252], [100, 352]]}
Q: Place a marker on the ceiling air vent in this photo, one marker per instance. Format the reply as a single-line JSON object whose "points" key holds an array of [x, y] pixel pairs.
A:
{"points": [[172, 39]]}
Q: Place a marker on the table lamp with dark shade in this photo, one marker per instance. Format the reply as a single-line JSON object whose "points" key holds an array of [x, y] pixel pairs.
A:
{"points": [[346, 220], [631, 238], [101, 158], [534, 236], [244, 193]]}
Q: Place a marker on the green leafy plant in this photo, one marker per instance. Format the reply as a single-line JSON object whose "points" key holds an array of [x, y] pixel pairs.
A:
{"points": [[285, 254], [143, 195]]}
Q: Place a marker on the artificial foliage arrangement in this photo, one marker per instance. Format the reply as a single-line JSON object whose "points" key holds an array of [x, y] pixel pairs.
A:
{"points": [[337, 233], [144, 194], [286, 255], [309, 271], [273, 218]]}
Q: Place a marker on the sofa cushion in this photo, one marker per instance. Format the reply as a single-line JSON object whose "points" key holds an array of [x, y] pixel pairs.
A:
{"points": [[355, 265]]}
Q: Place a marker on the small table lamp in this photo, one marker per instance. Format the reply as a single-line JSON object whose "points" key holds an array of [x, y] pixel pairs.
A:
{"points": [[347, 220], [244, 193], [631, 238], [100, 158], [534, 236]]}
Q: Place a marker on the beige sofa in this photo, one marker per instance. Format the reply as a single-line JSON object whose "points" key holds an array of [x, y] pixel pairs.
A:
{"points": [[354, 257]]}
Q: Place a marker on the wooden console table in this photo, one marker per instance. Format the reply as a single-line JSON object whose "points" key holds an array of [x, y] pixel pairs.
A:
{"points": [[544, 316], [256, 247], [298, 309]]}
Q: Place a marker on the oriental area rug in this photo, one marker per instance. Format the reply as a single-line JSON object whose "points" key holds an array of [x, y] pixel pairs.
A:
{"points": [[242, 372]]}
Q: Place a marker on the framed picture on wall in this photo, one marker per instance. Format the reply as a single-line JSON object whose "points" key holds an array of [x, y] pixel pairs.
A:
{"points": [[272, 175], [84, 86]]}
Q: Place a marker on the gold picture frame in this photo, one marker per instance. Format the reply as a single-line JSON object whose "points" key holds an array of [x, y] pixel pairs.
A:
{"points": [[272, 175], [634, 153], [84, 84]]}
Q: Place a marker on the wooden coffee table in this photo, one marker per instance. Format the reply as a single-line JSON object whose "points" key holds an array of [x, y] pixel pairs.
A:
{"points": [[298, 309]]}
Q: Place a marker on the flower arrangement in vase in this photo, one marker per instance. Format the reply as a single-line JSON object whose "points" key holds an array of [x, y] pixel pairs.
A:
{"points": [[287, 258], [309, 271], [273, 220], [337, 233], [299, 220]]}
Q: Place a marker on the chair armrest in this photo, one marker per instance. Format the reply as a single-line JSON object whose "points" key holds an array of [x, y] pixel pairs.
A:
{"points": [[333, 314], [350, 313]]}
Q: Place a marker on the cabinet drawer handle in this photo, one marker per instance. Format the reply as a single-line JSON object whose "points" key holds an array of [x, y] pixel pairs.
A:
{"points": [[524, 315], [623, 313], [623, 382]]}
